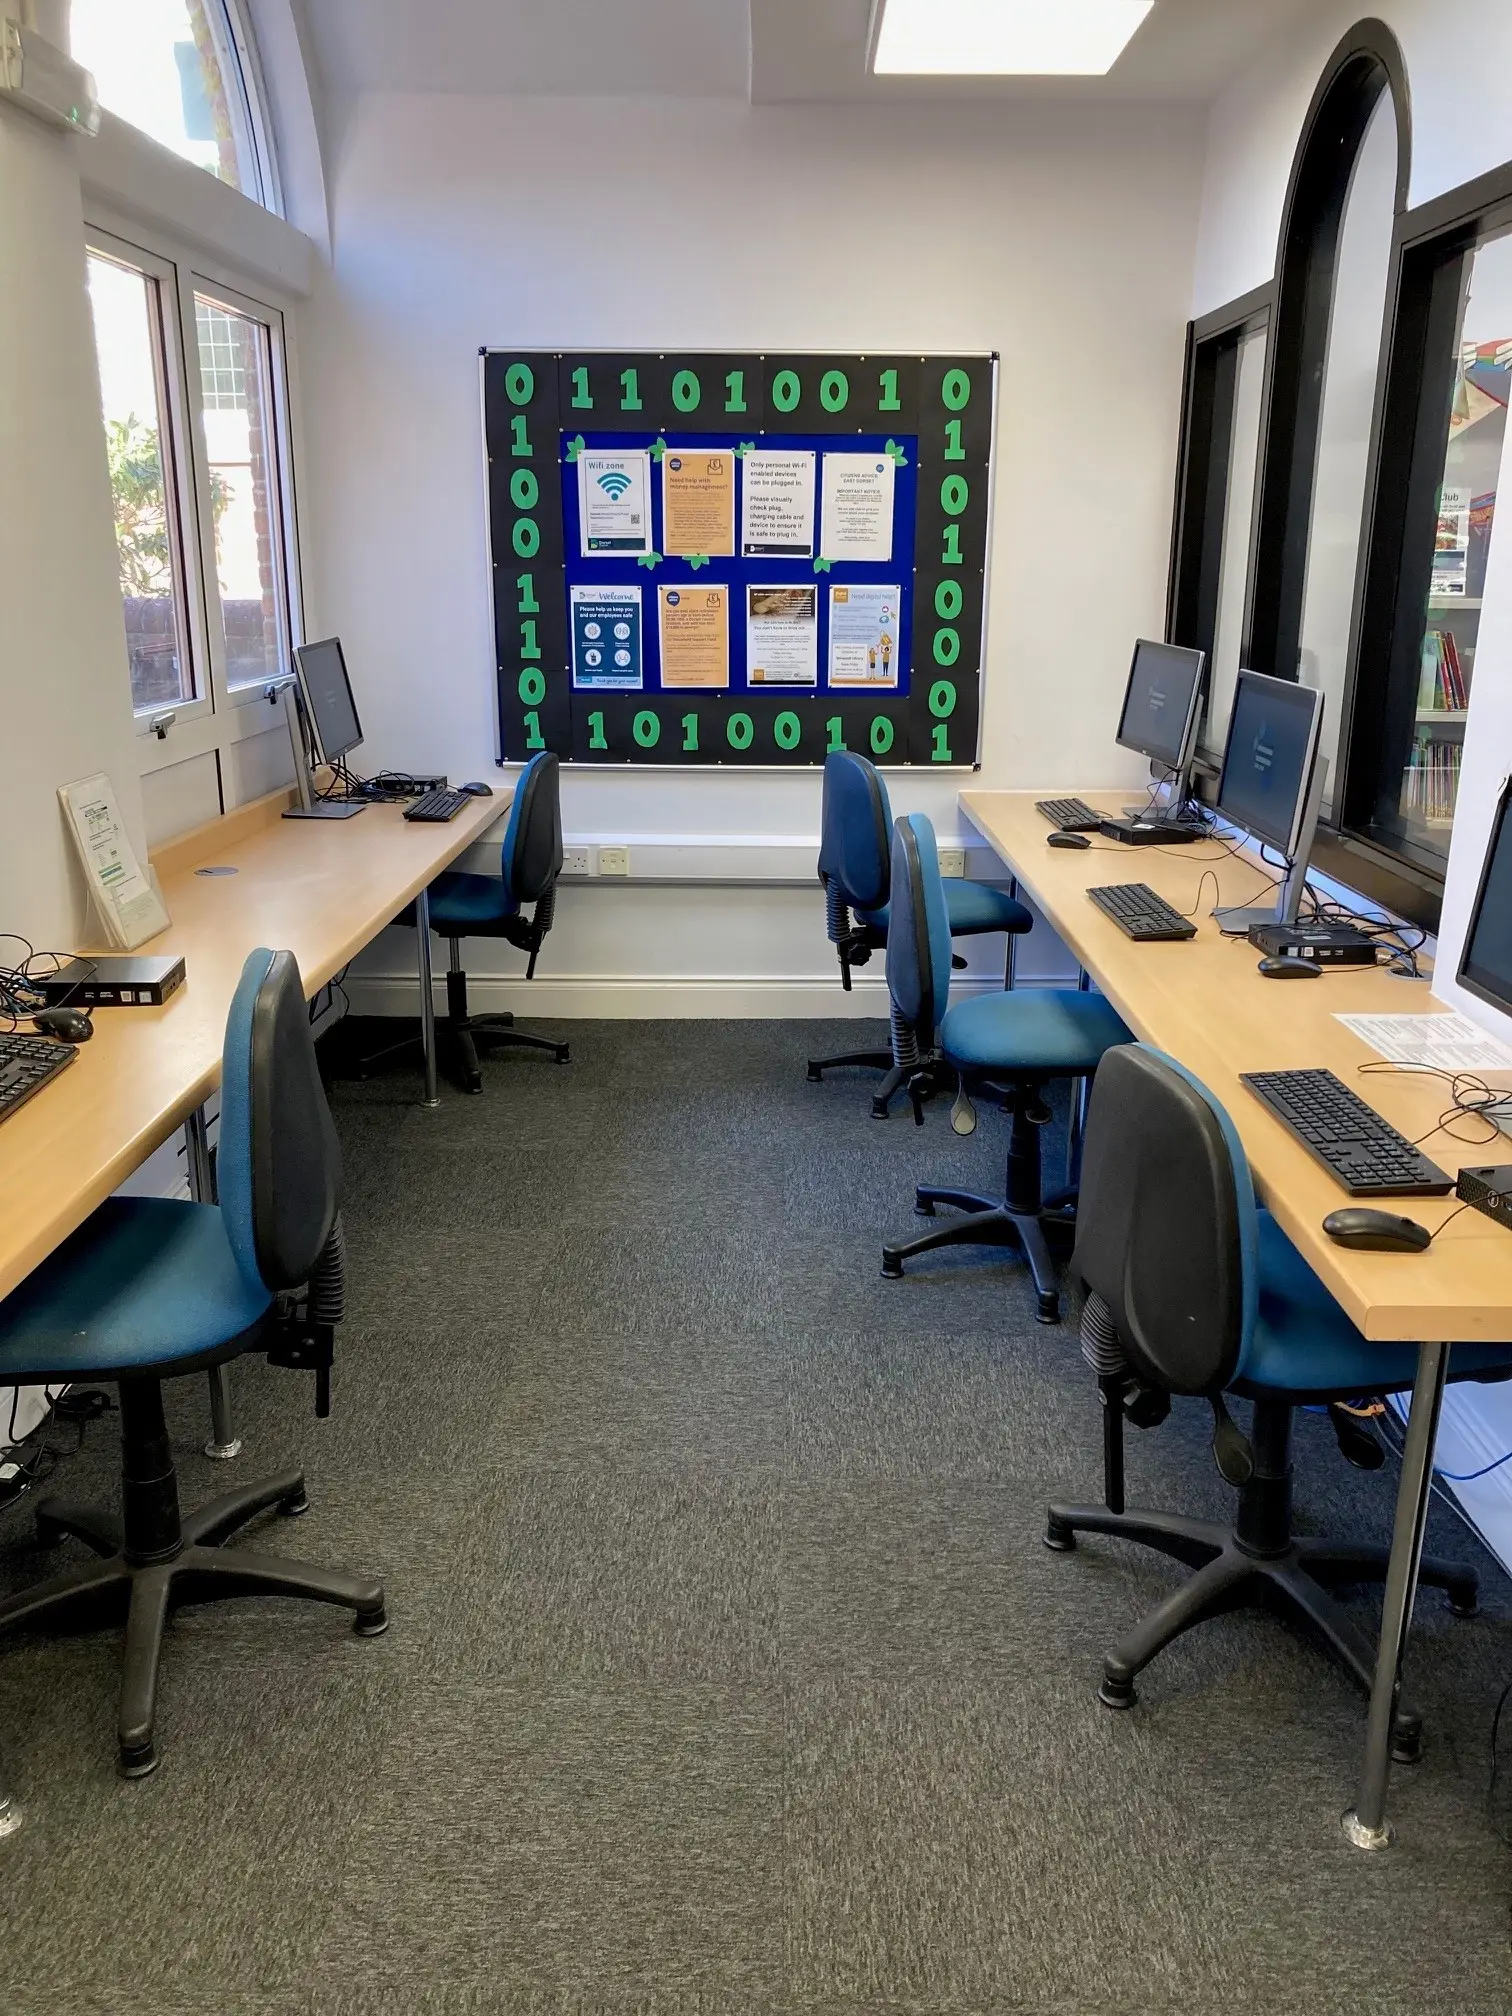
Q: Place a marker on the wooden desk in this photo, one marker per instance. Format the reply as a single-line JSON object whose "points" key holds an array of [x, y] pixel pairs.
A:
{"points": [[1204, 1003], [320, 890]]}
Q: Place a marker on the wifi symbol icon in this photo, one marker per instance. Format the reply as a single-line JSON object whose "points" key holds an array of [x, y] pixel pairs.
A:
{"points": [[614, 483]]}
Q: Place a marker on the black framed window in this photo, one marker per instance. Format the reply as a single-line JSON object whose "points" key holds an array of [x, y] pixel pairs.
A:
{"points": [[1441, 436]]}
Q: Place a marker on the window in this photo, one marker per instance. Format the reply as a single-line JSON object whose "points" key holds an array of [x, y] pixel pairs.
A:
{"points": [[1238, 525], [182, 72], [130, 344], [242, 456]]}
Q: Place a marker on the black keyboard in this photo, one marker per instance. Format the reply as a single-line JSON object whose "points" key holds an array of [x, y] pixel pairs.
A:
{"points": [[26, 1064], [1356, 1146], [1070, 815], [434, 808], [1140, 913]]}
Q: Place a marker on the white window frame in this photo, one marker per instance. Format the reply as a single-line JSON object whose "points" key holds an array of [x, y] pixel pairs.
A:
{"points": [[220, 716]]}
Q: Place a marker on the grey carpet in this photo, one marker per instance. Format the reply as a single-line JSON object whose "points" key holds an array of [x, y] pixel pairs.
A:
{"points": [[727, 1672]]}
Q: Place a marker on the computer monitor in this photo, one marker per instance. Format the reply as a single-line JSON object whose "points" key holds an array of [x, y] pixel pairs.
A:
{"points": [[1272, 781], [1485, 968], [327, 691], [1162, 702]]}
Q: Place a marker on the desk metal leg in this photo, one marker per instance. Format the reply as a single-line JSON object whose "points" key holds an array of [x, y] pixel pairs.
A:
{"points": [[427, 998], [1366, 1824], [1010, 970], [224, 1441]]}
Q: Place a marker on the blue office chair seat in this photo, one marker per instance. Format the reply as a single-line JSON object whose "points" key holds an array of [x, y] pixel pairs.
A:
{"points": [[1014, 1041], [462, 903], [1045, 1032], [1192, 1289], [973, 908], [151, 1287], [1303, 1343], [147, 1284]]}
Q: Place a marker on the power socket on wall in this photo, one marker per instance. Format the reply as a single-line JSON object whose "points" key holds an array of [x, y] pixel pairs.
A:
{"points": [[953, 861], [614, 860], [577, 860]]}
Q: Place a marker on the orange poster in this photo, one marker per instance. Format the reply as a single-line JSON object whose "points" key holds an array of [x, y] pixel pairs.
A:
{"points": [[695, 636], [698, 501]]}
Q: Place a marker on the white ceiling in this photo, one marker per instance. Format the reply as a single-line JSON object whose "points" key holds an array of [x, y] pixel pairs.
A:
{"points": [[775, 51]]}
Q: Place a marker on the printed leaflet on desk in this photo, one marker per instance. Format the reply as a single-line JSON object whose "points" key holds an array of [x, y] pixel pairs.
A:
{"points": [[129, 907]]}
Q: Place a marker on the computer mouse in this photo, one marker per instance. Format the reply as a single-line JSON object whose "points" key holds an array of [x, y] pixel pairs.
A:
{"points": [[1288, 969], [1375, 1231], [69, 1025], [477, 790], [1067, 840]]}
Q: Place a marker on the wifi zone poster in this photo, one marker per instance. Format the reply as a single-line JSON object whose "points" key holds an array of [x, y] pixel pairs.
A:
{"points": [[746, 560]]}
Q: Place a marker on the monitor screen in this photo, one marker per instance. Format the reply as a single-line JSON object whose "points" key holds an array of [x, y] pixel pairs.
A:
{"points": [[1268, 758], [328, 697], [1160, 702], [1486, 962]]}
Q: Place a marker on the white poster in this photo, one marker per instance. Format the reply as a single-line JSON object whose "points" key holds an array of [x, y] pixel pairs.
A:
{"points": [[863, 635], [614, 501], [858, 507], [782, 635], [778, 522]]}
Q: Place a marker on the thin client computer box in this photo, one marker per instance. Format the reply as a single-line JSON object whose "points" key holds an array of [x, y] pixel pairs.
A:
{"points": [[135, 982]]}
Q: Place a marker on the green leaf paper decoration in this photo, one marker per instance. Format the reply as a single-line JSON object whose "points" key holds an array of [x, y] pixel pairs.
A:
{"points": [[697, 560], [575, 447], [821, 565], [745, 448], [648, 560], [898, 454], [658, 447]]}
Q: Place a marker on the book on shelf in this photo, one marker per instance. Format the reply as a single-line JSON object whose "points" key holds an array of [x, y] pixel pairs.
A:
{"points": [[1442, 686], [1430, 782]]}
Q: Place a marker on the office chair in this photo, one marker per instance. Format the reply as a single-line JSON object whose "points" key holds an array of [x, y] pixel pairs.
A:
{"points": [[1192, 1289], [855, 870], [464, 905], [1013, 1043], [150, 1288]]}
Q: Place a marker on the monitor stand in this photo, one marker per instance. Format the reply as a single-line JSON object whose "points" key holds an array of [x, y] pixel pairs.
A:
{"points": [[1172, 809], [327, 808], [1238, 923], [309, 806]]}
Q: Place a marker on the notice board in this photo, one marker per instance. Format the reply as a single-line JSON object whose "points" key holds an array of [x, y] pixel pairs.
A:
{"points": [[746, 560]]}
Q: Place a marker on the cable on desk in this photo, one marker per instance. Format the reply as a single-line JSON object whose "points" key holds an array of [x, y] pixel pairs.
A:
{"points": [[1474, 1101], [21, 995]]}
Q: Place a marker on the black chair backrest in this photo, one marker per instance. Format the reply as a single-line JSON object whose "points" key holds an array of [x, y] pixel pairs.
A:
{"points": [[1165, 1222], [533, 837], [278, 1162], [918, 931], [853, 836]]}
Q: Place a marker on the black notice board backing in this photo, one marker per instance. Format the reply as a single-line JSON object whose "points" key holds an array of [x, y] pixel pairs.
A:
{"points": [[713, 558]]}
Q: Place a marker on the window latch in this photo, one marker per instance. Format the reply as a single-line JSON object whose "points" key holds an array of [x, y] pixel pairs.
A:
{"points": [[161, 723]]}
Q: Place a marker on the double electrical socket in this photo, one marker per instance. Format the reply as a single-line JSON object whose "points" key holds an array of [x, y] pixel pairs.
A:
{"points": [[590, 861]]}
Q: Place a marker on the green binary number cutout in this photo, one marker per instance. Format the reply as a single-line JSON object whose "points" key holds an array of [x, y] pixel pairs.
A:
{"points": [[690, 726], [947, 646], [835, 728], [741, 731], [787, 728], [735, 399], [948, 600], [596, 737], [686, 391], [524, 490], [940, 752], [630, 398], [646, 728], [956, 390], [519, 383], [529, 646], [955, 495], [942, 699], [527, 538], [834, 391], [786, 391], [887, 399], [532, 685], [951, 557], [954, 452], [527, 604], [519, 440], [881, 737], [581, 396], [534, 739]]}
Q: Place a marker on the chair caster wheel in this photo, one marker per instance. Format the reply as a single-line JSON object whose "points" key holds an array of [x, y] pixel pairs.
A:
{"points": [[140, 1761], [475, 1084], [49, 1533], [923, 1205], [815, 1074], [892, 1266], [1407, 1739], [295, 1505], [563, 1052], [1116, 1693], [1059, 1538], [1463, 1598], [1048, 1310], [879, 1110], [371, 1623]]}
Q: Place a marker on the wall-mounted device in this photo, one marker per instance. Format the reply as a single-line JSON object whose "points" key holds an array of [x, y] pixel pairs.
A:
{"points": [[36, 75]]}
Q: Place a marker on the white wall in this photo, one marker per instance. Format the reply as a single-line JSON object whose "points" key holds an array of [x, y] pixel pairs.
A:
{"points": [[1061, 238], [63, 673]]}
